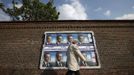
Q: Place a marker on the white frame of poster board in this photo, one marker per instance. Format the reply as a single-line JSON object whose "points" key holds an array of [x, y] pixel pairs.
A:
{"points": [[94, 42]]}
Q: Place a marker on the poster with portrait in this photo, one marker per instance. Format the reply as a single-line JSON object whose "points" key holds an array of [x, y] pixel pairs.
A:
{"points": [[55, 45]]}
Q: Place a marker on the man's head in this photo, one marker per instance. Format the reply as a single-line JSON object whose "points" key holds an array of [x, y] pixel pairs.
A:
{"points": [[74, 42], [47, 57], [59, 56], [70, 38], [49, 39], [59, 38], [80, 38]]}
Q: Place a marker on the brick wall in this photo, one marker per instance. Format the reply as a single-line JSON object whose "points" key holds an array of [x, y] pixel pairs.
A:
{"points": [[21, 44]]}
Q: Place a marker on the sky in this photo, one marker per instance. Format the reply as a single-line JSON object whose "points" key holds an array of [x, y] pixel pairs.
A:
{"points": [[87, 9]]}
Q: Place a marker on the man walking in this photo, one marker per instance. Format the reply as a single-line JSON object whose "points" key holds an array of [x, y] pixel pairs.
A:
{"points": [[73, 55]]}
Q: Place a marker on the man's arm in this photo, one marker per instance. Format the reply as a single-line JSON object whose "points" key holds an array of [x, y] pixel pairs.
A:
{"points": [[77, 51]]}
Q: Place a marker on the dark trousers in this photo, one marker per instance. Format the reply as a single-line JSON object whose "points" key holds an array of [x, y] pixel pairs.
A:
{"points": [[69, 72]]}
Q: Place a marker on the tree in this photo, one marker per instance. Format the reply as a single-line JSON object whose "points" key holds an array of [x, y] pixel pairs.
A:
{"points": [[31, 10]]}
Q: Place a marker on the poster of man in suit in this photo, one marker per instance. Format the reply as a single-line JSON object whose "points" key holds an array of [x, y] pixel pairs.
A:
{"points": [[59, 62], [47, 59]]}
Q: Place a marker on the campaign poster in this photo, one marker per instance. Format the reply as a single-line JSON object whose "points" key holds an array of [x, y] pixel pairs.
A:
{"points": [[55, 46]]}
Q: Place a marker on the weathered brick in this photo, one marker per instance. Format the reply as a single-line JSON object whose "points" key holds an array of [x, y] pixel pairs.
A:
{"points": [[21, 44]]}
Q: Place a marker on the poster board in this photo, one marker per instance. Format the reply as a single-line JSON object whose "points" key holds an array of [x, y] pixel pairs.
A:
{"points": [[55, 45]]}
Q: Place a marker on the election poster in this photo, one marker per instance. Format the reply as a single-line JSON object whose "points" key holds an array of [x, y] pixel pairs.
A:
{"points": [[55, 45]]}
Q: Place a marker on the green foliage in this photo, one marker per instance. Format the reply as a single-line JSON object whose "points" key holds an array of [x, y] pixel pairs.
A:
{"points": [[32, 10]]}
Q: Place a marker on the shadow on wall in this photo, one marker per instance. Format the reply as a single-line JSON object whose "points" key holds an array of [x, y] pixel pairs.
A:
{"points": [[49, 72]]}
